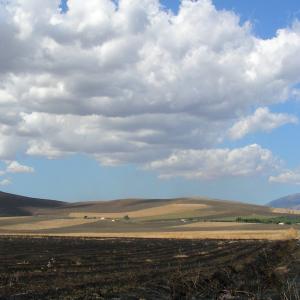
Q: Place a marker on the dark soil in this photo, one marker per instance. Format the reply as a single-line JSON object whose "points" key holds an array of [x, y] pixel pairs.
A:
{"points": [[69, 268]]}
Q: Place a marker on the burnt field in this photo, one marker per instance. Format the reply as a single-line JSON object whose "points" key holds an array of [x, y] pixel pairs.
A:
{"points": [[69, 268]]}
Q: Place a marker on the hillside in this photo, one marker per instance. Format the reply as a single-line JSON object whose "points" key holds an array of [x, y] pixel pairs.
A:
{"points": [[15, 205], [164, 208], [146, 218], [290, 202]]}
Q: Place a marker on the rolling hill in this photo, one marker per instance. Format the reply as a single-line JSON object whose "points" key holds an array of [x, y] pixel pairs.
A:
{"points": [[15, 205], [164, 208], [196, 217], [290, 202]]}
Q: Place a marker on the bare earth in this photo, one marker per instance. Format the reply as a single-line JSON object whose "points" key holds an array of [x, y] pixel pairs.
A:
{"points": [[111, 268]]}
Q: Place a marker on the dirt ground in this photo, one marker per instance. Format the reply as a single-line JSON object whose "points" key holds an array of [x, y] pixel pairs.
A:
{"points": [[73, 268]]}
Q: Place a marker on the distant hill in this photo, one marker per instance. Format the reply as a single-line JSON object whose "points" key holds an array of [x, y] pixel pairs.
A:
{"points": [[290, 202], [15, 205], [147, 209], [161, 209]]}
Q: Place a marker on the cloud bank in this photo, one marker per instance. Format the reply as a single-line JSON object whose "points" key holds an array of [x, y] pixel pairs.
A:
{"points": [[214, 163], [261, 120], [288, 176], [131, 82]]}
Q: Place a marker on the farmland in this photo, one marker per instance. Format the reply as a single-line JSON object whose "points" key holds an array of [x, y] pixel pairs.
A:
{"points": [[70, 268], [134, 228], [184, 248], [154, 218]]}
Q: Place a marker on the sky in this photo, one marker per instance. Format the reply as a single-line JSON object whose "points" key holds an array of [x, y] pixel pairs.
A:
{"points": [[107, 99]]}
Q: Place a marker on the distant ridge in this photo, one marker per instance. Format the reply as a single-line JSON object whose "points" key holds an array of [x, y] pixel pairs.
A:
{"points": [[290, 201], [16, 205]]}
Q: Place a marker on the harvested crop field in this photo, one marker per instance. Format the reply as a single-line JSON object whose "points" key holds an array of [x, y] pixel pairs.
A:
{"points": [[270, 235], [168, 209], [69, 268], [47, 224], [93, 227]]}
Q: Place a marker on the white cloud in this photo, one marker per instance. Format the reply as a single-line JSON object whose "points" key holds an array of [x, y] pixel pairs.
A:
{"points": [[5, 182], [288, 176], [13, 167], [261, 120], [16, 167], [213, 163], [133, 83]]}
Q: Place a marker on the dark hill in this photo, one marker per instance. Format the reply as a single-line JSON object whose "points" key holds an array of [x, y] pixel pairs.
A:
{"points": [[291, 202], [15, 205]]}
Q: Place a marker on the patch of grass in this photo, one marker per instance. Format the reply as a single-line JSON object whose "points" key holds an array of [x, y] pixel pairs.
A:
{"points": [[289, 220], [286, 219]]}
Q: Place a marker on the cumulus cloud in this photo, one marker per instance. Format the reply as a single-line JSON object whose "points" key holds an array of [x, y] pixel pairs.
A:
{"points": [[5, 182], [13, 167], [130, 82], [16, 167], [288, 176], [261, 120], [209, 164]]}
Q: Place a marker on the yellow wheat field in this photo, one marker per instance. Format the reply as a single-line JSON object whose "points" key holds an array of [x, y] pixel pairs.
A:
{"points": [[220, 235], [147, 212], [286, 211], [47, 224]]}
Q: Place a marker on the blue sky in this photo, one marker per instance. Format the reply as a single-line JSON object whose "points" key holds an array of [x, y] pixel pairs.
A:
{"points": [[69, 170], [266, 16]]}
